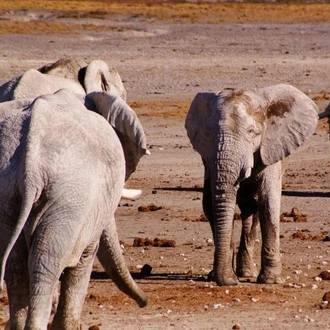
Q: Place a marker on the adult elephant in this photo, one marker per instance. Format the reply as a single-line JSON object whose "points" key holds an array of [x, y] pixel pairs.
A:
{"points": [[82, 79], [242, 136], [62, 172]]}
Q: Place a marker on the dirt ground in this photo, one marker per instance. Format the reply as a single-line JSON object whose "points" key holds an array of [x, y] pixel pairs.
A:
{"points": [[164, 63]]}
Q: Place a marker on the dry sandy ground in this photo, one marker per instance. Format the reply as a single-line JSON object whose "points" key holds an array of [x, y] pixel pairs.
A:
{"points": [[163, 65]]}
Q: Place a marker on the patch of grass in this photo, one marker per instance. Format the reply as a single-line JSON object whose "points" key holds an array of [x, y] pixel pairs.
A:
{"points": [[184, 12], [161, 109]]}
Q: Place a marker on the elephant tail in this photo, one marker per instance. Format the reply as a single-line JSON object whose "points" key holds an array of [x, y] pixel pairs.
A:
{"points": [[26, 207]]}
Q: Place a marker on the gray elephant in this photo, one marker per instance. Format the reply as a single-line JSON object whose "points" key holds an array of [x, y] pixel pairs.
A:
{"points": [[242, 136], [62, 172], [82, 78]]}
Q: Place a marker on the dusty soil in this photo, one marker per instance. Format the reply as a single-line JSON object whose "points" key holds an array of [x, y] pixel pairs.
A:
{"points": [[164, 62]]}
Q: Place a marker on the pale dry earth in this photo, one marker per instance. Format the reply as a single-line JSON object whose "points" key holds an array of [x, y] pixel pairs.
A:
{"points": [[163, 65]]}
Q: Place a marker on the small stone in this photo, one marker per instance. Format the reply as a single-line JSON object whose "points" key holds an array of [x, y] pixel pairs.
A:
{"points": [[325, 275], [146, 270], [216, 306], [94, 327], [326, 296]]}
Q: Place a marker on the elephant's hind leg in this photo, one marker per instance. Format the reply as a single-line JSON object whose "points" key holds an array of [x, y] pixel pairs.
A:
{"points": [[17, 282], [74, 284], [248, 205], [245, 266]]}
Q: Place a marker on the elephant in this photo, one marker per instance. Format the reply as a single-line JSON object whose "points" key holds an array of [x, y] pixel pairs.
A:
{"points": [[62, 172], [243, 138], [82, 78]]}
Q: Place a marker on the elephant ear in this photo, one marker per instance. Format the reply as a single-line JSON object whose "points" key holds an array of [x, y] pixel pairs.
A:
{"points": [[291, 118], [100, 78], [7, 89], [203, 112], [126, 124]]}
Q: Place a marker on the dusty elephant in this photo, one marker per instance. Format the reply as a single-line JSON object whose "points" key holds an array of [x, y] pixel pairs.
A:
{"points": [[62, 171], [82, 79], [242, 136]]}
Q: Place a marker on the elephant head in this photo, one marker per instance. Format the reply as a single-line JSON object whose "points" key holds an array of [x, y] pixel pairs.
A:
{"points": [[238, 134], [99, 77]]}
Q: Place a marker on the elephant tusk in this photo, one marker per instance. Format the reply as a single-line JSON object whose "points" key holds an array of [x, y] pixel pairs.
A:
{"points": [[131, 193]]}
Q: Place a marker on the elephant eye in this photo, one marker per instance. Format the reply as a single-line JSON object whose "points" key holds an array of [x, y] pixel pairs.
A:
{"points": [[252, 130]]}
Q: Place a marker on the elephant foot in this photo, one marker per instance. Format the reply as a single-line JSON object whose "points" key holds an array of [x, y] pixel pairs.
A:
{"points": [[245, 266], [223, 280], [246, 272], [269, 277], [246, 269]]}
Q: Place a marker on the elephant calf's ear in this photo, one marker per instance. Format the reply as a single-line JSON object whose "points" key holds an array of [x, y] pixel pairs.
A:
{"points": [[291, 119]]}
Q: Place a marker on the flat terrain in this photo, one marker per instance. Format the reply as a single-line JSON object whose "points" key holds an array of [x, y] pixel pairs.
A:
{"points": [[165, 54]]}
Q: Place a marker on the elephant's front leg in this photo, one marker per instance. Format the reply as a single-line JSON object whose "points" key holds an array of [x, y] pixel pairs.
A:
{"points": [[269, 215], [74, 284]]}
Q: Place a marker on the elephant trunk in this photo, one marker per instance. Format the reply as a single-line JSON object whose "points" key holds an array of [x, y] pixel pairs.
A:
{"points": [[111, 258], [224, 202], [226, 173]]}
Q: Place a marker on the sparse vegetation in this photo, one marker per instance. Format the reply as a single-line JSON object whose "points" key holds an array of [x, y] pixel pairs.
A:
{"points": [[174, 11]]}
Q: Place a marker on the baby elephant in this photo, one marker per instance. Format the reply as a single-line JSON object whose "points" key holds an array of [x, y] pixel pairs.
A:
{"points": [[62, 172]]}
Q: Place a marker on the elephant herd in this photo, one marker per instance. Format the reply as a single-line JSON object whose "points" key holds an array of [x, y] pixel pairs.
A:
{"points": [[68, 143]]}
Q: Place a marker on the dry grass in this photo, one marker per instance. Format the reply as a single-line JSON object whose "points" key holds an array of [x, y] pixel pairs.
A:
{"points": [[161, 109], [174, 11]]}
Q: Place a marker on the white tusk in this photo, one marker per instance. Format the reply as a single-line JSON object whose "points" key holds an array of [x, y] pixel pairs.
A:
{"points": [[248, 172], [131, 193]]}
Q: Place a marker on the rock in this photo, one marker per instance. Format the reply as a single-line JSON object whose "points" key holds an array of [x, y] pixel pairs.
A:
{"points": [[325, 275], [295, 214], [138, 242], [299, 234], [146, 270], [326, 296], [94, 327], [149, 208]]}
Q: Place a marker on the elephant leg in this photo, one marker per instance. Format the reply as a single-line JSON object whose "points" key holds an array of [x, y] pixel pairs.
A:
{"points": [[249, 207], [208, 211], [50, 250], [207, 203], [74, 285], [269, 216], [245, 265], [17, 282]]}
